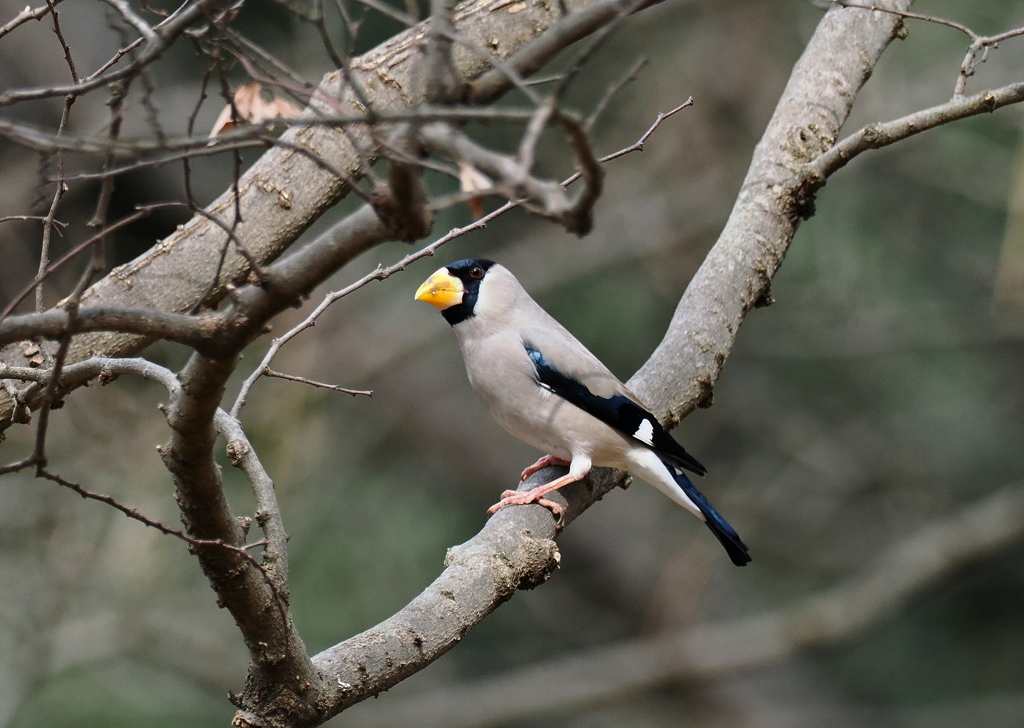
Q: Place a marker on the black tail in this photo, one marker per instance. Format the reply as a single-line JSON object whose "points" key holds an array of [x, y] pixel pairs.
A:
{"points": [[725, 533]]}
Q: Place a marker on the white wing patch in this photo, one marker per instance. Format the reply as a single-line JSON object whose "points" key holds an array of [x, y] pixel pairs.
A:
{"points": [[645, 432]]}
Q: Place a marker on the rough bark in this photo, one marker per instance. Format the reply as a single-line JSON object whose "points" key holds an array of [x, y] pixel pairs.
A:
{"points": [[515, 548], [736, 275], [892, 580], [286, 190]]}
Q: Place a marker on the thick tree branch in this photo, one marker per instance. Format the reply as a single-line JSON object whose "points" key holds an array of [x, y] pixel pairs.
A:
{"points": [[515, 550], [677, 378], [276, 650], [885, 586], [282, 684], [736, 275], [145, 322], [286, 190]]}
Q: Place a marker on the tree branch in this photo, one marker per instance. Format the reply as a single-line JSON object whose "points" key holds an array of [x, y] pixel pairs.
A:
{"points": [[736, 275], [876, 136], [274, 645], [894, 577], [152, 48], [381, 272], [515, 550], [286, 191]]}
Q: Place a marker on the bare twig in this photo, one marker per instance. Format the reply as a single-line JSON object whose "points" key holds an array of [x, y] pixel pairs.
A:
{"points": [[382, 272], [130, 17], [165, 33], [71, 254], [979, 43], [880, 135], [29, 13], [50, 219], [63, 43], [61, 187], [609, 94], [40, 218], [320, 385], [135, 515]]}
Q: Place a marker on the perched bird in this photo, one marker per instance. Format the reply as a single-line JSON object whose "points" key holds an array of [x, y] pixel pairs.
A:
{"points": [[547, 389]]}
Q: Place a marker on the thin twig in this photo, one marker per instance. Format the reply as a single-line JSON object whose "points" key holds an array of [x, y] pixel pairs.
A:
{"points": [[979, 43], [88, 242], [135, 515], [58, 195], [381, 272], [166, 32], [638, 145], [29, 13], [40, 218], [321, 385], [63, 43], [602, 104], [241, 551], [144, 28]]}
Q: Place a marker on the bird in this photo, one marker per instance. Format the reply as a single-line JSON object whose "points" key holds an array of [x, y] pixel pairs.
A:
{"points": [[547, 389]]}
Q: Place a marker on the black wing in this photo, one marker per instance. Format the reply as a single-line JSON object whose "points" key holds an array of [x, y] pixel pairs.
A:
{"points": [[617, 411]]}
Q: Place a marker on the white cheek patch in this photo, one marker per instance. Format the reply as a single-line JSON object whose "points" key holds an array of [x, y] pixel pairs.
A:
{"points": [[645, 432]]}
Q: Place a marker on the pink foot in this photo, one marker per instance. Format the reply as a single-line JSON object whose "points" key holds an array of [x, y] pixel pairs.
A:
{"points": [[541, 464], [522, 498]]}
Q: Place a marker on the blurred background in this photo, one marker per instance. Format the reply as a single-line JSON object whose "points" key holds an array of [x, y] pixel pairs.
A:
{"points": [[881, 393]]}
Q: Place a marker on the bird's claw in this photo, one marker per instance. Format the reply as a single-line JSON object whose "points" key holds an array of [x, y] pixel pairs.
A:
{"points": [[542, 463], [521, 498]]}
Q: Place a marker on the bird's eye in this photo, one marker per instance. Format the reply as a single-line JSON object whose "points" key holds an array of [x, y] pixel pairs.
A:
{"points": [[476, 272]]}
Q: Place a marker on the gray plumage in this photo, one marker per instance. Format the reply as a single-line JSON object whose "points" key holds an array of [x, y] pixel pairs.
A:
{"points": [[526, 367]]}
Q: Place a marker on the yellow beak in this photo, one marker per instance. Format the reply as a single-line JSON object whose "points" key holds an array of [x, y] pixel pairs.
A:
{"points": [[441, 290]]}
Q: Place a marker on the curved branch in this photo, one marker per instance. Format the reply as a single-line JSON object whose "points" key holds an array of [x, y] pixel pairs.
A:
{"points": [[154, 46], [737, 273], [894, 577], [876, 136], [286, 191], [144, 322], [514, 549]]}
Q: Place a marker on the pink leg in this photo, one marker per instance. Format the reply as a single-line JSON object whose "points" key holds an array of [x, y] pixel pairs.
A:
{"points": [[541, 464], [522, 498]]}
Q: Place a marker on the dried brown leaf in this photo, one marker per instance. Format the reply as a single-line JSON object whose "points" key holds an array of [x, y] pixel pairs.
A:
{"points": [[252, 108], [473, 180]]}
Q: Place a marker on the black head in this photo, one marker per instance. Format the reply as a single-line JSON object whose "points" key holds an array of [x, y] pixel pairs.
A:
{"points": [[470, 272]]}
